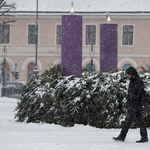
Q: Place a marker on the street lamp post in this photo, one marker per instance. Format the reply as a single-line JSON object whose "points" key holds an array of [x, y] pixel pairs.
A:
{"points": [[4, 74], [35, 71], [92, 56]]}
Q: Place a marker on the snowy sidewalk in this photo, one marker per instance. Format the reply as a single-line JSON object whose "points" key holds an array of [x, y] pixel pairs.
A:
{"points": [[22, 136]]}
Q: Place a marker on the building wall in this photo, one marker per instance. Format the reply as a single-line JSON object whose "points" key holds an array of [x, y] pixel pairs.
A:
{"points": [[137, 54], [49, 53]]}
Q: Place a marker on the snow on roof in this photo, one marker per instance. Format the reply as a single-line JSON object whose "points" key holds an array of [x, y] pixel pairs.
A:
{"points": [[82, 5]]}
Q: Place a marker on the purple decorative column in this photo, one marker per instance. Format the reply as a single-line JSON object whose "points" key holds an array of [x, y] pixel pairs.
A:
{"points": [[71, 44], [108, 47]]}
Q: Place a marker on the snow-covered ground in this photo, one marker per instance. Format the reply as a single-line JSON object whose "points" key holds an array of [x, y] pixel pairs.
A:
{"points": [[23, 136]]}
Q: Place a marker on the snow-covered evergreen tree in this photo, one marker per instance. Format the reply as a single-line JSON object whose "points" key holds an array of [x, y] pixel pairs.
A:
{"points": [[96, 99]]}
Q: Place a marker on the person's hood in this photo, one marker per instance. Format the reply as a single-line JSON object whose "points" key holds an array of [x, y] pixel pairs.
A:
{"points": [[132, 71]]}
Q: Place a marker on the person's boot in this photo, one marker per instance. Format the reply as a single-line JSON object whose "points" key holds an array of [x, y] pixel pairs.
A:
{"points": [[144, 137], [119, 138], [143, 140]]}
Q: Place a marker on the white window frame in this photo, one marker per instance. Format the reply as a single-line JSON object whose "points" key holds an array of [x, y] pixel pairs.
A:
{"points": [[123, 45], [95, 34], [9, 34], [28, 34], [56, 34]]}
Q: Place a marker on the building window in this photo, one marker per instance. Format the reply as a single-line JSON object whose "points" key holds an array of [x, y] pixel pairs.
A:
{"points": [[90, 36], [88, 67], [126, 66], [127, 35], [32, 36], [58, 35], [4, 34]]}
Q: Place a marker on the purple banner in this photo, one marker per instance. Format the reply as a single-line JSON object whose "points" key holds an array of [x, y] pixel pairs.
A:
{"points": [[108, 47], [71, 44]]}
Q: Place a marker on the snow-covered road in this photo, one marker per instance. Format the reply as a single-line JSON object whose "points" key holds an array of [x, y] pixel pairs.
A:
{"points": [[23, 136]]}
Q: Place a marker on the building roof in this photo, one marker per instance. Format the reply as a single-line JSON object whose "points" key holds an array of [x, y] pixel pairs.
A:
{"points": [[83, 5]]}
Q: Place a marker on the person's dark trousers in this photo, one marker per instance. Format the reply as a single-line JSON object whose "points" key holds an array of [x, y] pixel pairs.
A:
{"points": [[131, 114]]}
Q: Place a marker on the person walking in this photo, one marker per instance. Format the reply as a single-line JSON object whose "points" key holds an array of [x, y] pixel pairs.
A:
{"points": [[136, 98]]}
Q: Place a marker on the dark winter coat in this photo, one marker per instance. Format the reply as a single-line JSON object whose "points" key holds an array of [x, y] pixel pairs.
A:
{"points": [[136, 96]]}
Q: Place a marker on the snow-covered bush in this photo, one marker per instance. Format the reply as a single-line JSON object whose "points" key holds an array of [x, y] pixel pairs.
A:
{"points": [[96, 99]]}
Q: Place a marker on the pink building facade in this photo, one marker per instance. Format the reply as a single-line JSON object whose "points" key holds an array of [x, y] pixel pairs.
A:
{"points": [[19, 40]]}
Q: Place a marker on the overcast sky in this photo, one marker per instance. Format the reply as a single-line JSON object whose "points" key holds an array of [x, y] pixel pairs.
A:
{"points": [[82, 5]]}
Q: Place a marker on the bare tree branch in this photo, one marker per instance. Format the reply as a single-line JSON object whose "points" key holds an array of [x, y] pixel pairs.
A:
{"points": [[4, 10]]}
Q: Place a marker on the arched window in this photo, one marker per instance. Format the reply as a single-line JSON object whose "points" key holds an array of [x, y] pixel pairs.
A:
{"points": [[88, 67], [30, 74], [126, 66]]}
